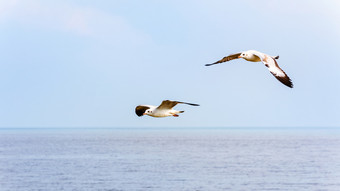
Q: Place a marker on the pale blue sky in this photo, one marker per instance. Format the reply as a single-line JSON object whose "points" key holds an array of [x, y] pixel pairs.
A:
{"points": [[89, 63]]}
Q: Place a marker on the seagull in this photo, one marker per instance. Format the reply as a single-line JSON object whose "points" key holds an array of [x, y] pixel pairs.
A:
{"points": [[163, 110], [268, 61]]}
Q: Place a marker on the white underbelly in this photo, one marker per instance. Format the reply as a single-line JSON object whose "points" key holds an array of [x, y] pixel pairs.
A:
{"points": [[161, 114], [253, 59]]}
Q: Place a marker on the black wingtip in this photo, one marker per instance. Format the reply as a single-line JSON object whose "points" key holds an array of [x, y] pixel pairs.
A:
{"points": [[286, 81], [291, 85], [210, 64], [193, 104]]}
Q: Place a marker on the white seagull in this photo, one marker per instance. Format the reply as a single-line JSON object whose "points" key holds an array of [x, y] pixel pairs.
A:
{"points": [[163, 110], [268, 61]]}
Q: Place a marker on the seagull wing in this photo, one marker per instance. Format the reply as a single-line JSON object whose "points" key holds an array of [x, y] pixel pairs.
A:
{"points": [[225, 59], [274, 68], [167, 104]]}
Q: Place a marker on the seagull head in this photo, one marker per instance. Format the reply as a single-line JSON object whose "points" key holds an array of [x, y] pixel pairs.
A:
{"points": [[148, 112], [142, 110], [243, 55]]}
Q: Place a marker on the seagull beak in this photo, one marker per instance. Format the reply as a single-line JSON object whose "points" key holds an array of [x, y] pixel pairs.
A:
{"points": [[240, 56]]}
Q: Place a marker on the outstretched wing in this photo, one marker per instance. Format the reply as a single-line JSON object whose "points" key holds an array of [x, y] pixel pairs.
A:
{"points": [[167, 104], [280, 75], [225, 59], [274, 68]]}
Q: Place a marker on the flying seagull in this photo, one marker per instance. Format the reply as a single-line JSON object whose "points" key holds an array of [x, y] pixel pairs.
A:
{"points": [[268, 61], [163, 110]]}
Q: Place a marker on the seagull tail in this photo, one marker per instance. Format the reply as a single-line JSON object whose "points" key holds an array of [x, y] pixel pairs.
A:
{"points": [[277, 57], [181, 111]]}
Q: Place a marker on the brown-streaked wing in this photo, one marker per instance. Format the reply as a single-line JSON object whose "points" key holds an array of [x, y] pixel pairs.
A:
{"points": [[225, 59], [167, 104]]}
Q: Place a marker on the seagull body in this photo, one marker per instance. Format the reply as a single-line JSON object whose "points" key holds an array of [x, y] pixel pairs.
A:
{"points": [[268, 61], [163, 110]]}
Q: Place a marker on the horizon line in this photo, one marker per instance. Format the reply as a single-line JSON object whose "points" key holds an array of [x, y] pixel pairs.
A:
{"points": [[174, 128]]}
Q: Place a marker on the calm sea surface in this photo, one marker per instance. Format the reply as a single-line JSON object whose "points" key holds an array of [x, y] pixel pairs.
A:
{"points": [[170, 159]]}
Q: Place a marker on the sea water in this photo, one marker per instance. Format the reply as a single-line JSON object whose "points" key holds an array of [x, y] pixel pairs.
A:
{"points": [[128, 159]]}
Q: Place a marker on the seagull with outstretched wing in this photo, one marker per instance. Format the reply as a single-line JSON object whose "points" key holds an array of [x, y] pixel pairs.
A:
{"points": [[163, 110], [268, 61]]}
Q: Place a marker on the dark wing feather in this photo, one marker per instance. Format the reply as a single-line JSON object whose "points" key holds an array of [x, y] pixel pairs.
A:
{"points": [[225, 59], [284, 79], [277, 72], [192, 104], [167, 104], [140, 110]]}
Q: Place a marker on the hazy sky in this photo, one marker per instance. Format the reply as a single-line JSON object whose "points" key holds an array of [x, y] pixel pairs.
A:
{"points": [[89, 63]]}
